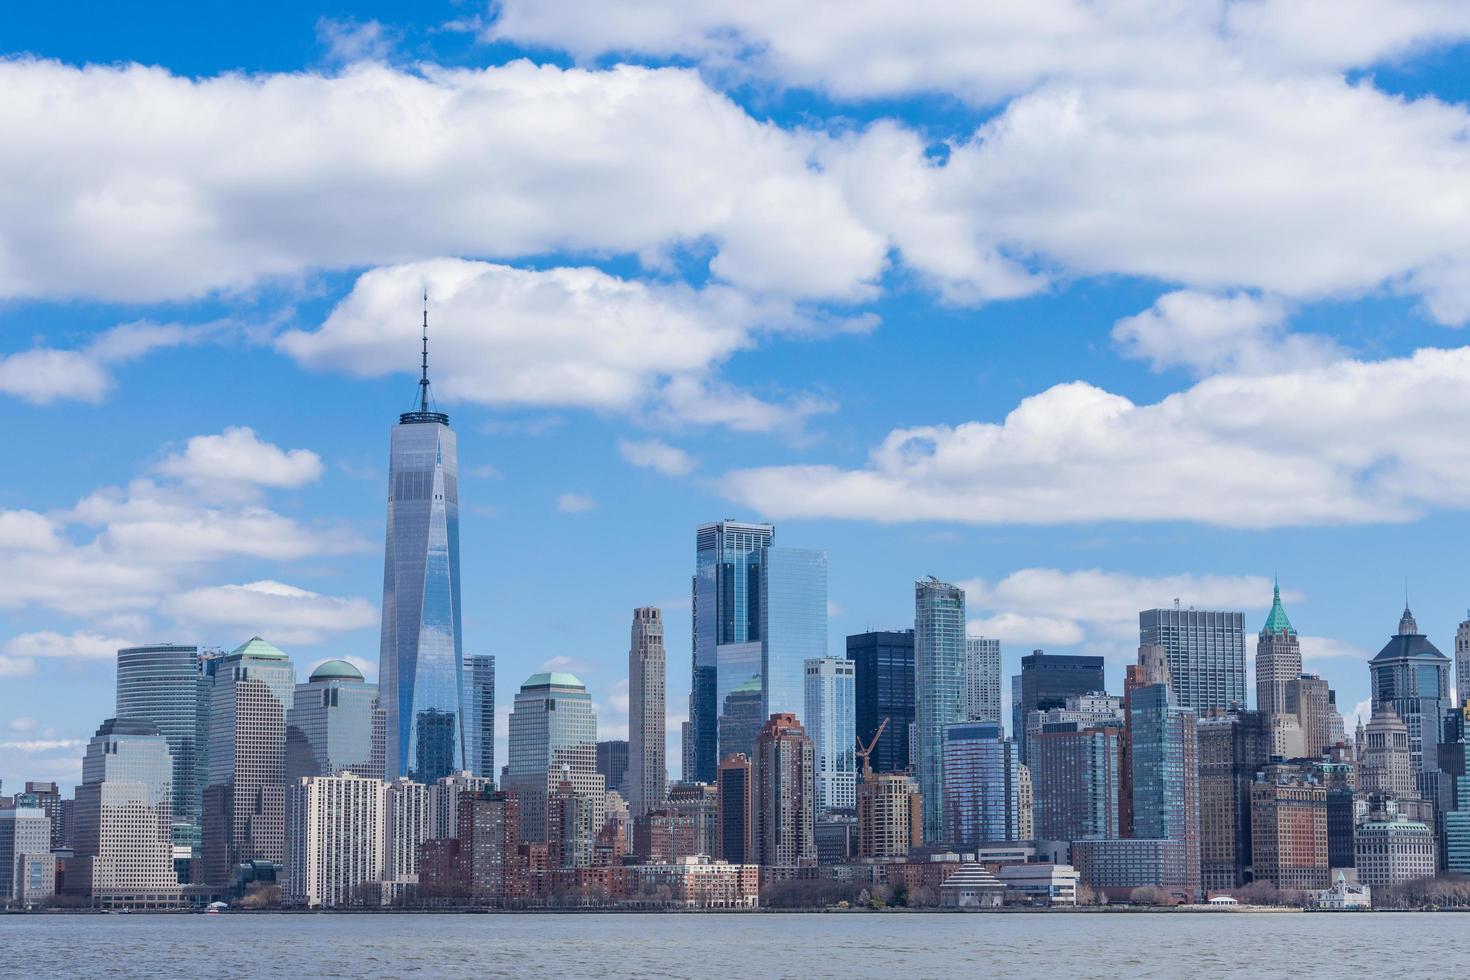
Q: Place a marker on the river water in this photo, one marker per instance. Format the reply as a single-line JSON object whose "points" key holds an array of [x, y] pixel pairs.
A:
{"points": [[848, 945]]}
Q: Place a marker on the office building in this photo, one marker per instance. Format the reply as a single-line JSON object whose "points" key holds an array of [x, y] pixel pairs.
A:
{"points": [[1289, 830], [830, 718], [46, 796], [982, 785], [1413, 676], [123, 852], [982, 680], [1278, 659], [1075, 772], [647, 721], [701, 804], [735, 818], [793, 616], [1048, 680], [726, 612], [335, 841], [1039, 884], [836, 834], [573, 819], [883, 683], [939, 688], [1462, 662], [245, 792], [1385, 758], [663, 835], [25, 856], [784, 797], [1114, 868], [1164, 756], [612, 763], [1391, 850], [421, 655], [1314, 705], [1233, 747], [890, 816], [335, 724], [163, 684], [1085, 710], [553, 736], [1206, 654], [479, 715]]}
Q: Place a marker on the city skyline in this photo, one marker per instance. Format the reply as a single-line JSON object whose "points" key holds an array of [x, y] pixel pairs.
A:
{"points": [[204, 342]]}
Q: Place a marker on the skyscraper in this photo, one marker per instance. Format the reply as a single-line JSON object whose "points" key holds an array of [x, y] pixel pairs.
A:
{"points": [[1077, 780], [335, 842], [734, 818], [831, 724], [1462, 662], [939, 687], [1313, 704], [612, 763], [1165, 760], [1233, 746], [123, 850], [883, 679], [160, 684], [1411, 674], [335, 724], [553, 738], [479, 715], [726, 613], [1048, 680], [421, 654], [982, 785], [1206, 652], [793, 616], [890, 816], [245, 796], [1278, 659], [647, 671], [982, 680], [784, 797]]}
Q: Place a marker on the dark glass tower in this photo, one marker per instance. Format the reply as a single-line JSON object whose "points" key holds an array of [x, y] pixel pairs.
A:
{"points": [[1048, 679], [883, 672], [420, 660]]}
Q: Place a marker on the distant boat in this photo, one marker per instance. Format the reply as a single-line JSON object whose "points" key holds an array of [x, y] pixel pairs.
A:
{"points": [[215, 908]]}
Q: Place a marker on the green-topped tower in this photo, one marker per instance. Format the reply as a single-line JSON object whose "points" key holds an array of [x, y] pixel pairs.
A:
{"points": [[1278, 658]]}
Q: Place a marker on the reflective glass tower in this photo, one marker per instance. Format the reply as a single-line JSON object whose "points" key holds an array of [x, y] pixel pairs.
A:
{"points": [[793, 625], [479, 715], [883, 669], [939, 688], [334, 725], [421, 654], [160, 684]]}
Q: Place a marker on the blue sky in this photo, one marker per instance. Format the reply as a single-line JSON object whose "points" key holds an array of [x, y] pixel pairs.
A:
{"points": [[1088, 310]]}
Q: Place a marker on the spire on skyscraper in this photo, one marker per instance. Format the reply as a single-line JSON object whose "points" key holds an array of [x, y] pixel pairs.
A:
{"points": [[1276, 621], [423, 413]]}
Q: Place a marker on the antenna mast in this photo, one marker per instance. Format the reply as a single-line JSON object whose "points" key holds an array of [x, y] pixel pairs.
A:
{"points": [[424, 381]]}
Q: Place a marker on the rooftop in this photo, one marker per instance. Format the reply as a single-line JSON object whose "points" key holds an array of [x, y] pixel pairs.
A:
{"points": [[1276, 621], [259, 649], [336, 670], [555, 678]]}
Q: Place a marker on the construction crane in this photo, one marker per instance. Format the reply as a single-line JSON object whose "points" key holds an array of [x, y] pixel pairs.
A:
{"points": [[865, 752]]}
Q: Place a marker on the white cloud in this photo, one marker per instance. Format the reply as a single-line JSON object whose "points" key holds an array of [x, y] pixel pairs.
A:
{"points": [[43, 375], [657, 455], [137, 184], [22, 724], [79, 645], [237, 455], [349, 40], [16, 667], [272, 609], [56, 760], [573, 337], [574, 503], [563, 662], [1349, 442], [1210, 334], [1325, 647], [1027, 630]]}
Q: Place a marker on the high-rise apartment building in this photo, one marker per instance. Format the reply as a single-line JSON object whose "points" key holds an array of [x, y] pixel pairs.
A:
{"points": [[1075, 771], [1278, 659], [700, 803], [1233, 747], [647, 716], [488, 835], [1048, 680], [163, 684], [421, 655], [982, 680], [245, 794], [735, 818], [445, 796], [883, 679], [726, 595], [982, 786], [553, 737], [783, 802], [1289, 830], [123, 848], [335, 724], [831, 722], [335, 841], [1414, 677], [1206, 653], [408, 821], [479, 714], [1164, 754], [939, 688], [890, 816]]}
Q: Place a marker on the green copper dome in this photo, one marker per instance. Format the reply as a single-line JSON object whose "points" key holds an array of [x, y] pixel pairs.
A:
{"points": [[1276, 622], [336, 670], [556, 678], [258, 648]]}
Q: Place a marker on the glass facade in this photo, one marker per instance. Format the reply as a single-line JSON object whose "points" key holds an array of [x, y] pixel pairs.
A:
{"points": [[1048, 680], [1076, 775], [552, 725], [160, 684], [939, 687], [793, 617], [883, 680], [726, 610], [1206, 654], [479, 714], [335, 724], [1165, 760], [831, 723], [420, 660], [1412, 675], [982, 792]]}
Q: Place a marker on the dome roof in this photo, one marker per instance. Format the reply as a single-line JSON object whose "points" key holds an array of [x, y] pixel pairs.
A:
{"points": [[336, 670], [555, 678], [256, 647]]}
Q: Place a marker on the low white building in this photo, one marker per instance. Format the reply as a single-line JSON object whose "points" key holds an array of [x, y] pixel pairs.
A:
{"points": [[972, 887], [1344, 895], [1039, 884]]}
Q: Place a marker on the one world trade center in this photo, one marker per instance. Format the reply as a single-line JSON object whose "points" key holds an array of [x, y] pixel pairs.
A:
{"points": [[419, 661]]}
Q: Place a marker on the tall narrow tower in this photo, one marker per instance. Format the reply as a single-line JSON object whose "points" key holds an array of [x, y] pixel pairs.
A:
{"points": [[646, 711], [420, 657]]}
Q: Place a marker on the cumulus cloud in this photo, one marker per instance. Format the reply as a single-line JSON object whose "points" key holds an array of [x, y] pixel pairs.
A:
{"points": [[238, 455], [1326, 648], [575, 503], [574, 337], [272, 609], [657, 455], [348, 40], [44, 375], [1349, 442], [80, 645], [1209, 334], [22, 724], [137, 184], [57, 760]]}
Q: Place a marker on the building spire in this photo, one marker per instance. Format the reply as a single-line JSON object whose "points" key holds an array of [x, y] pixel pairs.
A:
{"points": [[424, 381], [1277, 621]]}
